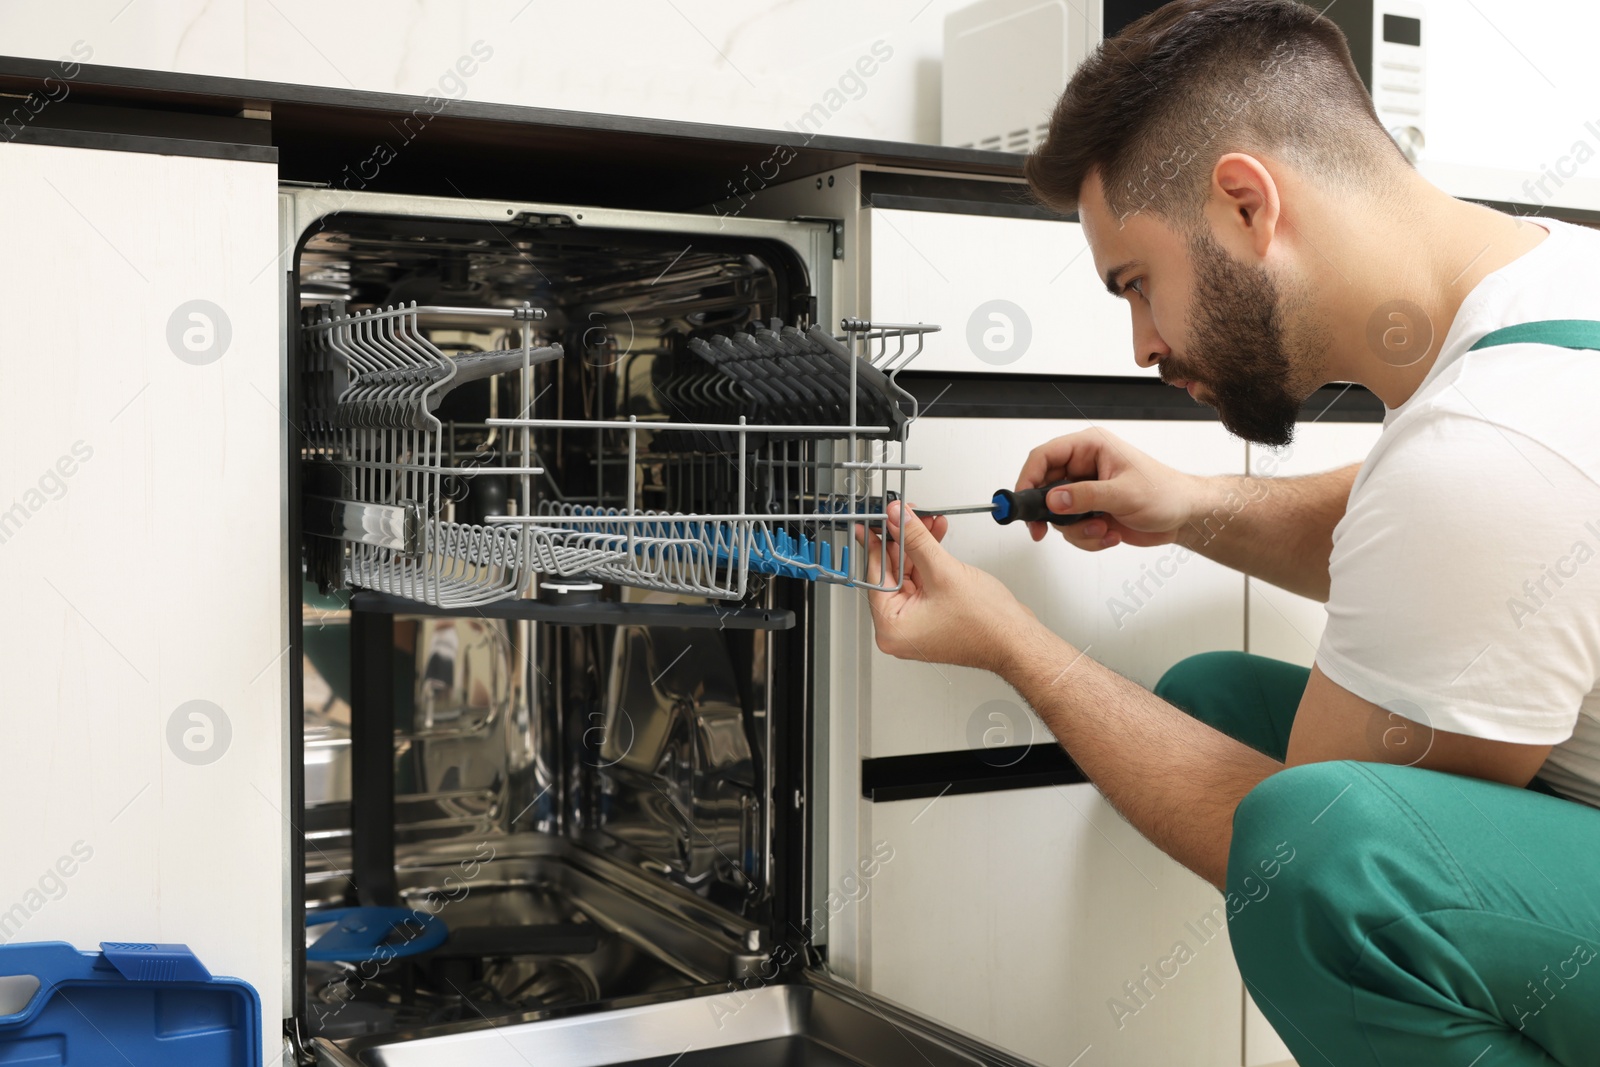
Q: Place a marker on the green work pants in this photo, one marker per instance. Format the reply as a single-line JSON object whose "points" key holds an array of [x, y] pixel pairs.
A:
{"points": [[1423, 918]]}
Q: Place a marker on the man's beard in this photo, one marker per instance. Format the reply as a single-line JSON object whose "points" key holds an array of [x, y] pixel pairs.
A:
{"points": [[1237, 348]]}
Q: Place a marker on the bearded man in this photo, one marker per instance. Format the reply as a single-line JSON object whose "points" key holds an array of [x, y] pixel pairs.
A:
{"points": [[1436, 771]]}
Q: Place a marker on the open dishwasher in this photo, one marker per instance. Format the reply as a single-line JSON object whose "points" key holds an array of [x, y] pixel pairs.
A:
{"points": [[568, 481]]}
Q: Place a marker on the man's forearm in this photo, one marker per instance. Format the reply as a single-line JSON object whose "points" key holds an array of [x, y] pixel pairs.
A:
{"points": [[1277, 529], [1175, 778]]}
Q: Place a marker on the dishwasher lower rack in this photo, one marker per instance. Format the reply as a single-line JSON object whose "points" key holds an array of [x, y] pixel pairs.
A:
{"points": [[760, 493]]}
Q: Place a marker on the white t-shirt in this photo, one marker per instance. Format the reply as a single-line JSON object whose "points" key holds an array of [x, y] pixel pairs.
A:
{"points": [[1466, 570]]}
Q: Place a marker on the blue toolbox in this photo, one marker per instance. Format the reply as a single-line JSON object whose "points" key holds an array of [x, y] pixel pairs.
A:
{"points": [[140, 1004]]}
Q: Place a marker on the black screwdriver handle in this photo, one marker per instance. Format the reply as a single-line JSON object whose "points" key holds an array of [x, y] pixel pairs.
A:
{"points": [[1029, 506]]}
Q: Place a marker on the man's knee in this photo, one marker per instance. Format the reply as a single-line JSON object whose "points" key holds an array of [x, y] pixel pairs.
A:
{"points": [[1201, 683], [1285, 872], [1195, 678], [1290, 919], [1250, 698]]}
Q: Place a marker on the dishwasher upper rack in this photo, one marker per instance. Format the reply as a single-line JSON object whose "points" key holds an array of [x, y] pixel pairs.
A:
{"points": [[372, 380], [373, 376], [773, 373], [801, 491]]}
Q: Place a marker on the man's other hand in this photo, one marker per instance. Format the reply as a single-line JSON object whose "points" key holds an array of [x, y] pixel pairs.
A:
{"points": [[945, 611]]}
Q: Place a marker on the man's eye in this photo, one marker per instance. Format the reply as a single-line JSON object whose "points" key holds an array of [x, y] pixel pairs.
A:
{"points": [[1137, 285]]}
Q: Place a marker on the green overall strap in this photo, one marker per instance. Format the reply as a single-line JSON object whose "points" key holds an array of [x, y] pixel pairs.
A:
{"points": [[1563, 333]]}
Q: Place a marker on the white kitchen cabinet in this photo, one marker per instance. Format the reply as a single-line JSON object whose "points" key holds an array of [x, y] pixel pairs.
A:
{"points": [[1281, 624], [1040, 920], [1262, 1045], [142, 549], [1056, 901], [1015, 296]]}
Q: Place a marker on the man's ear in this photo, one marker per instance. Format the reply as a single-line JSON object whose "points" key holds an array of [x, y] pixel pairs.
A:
{"points": [[1244, 202]]}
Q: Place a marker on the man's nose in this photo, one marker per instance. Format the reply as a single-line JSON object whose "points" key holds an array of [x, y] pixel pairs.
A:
{"points": [[1148, 347]]}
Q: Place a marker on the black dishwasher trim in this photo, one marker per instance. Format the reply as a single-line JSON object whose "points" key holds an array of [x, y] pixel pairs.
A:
{"points": [[1582, 215], [294, 443], [987, 770], [372, 834], [790, 704]]}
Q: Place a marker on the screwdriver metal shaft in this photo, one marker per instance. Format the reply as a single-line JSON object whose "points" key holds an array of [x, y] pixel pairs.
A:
{"points": [[1009, 506], [973, 509]]}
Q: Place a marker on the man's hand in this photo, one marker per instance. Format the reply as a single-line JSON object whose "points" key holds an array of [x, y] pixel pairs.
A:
{"points": [[1277, 529], [1174, 777], [945, 611], [1146, 502]]}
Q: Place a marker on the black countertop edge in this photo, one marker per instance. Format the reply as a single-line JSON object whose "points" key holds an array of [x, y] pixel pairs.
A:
{"points": [[604, 613], [1582, 215], [131, 86], [133, 142], [966, 771]]}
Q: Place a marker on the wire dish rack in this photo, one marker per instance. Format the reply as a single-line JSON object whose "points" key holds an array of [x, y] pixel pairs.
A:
{"points": [[773, 447]]}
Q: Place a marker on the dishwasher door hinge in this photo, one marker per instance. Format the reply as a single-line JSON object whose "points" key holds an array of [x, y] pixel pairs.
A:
{"points": [[835, 224], [296, 1046]]}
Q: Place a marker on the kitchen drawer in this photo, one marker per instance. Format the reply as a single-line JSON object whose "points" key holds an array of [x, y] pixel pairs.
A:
{"points": [[1015, 296], [1041, 921]]}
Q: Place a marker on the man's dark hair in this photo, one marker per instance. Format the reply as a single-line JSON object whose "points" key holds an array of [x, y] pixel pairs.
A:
{"points": [[1153, 109]]}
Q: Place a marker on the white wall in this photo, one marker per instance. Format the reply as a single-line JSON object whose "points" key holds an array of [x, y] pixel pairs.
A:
{"points": [[1511, 84], [761, 63]]}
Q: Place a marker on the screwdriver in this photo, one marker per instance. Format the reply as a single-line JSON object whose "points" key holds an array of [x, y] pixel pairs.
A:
{"points": [[1009, 506]]}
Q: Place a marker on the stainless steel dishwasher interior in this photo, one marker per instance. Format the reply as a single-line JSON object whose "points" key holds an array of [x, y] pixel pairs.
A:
{"points": [[600, 782], [604, 817], [643, 940]]}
